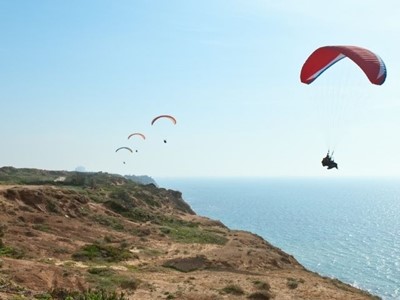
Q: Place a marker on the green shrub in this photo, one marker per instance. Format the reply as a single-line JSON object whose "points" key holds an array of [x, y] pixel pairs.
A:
{"points": [[165, 230], [101, 294], [292, 283], [108, 221], [44, 296], [129, 284], [260, 295], [233, 289], [147, 197], [11, 252], [184, 234], [110, 280], [121, 194], [78, 179], [262, 285], [52, 206], [41, 227], [115, 206], [141, 232], [101, 271], [97, 252]]}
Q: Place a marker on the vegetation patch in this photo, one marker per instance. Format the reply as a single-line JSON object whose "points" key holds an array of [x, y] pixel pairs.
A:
{"points": [[293, 283], [260, 295], [132, 268], [189, 232], [97, 197], [101, 271], [111, 281], [136, 214], [140, 215], [11, 252], [43, 296], [108, 221], [140, 232], [129, 284], [233, 289], [127, 210], [28, 176], [100, 294], [188, 264], [262, 285], [51, 206], [174, 222], [147, 198], [102, 253], [115, 206], [121, 194], [185, 234], [152, 252], [41, 227]]}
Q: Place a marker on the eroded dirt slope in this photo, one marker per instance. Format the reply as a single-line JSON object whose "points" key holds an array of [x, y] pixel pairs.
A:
{"points": [[144, 241]]}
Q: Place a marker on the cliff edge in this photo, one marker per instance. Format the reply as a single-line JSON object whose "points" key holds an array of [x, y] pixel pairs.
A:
{"points": [[68, 231]]}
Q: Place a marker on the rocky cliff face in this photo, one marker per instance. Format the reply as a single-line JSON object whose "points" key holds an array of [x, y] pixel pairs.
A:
{"points": [[111, 233]]}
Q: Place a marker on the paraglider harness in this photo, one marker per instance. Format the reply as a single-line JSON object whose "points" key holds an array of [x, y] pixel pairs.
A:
{"points": [[328, 162]]}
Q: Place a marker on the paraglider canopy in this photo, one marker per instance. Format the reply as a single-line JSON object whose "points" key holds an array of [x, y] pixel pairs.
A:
{"points": [[323, 58], [138, 134], [164, 116], [126, 148]]}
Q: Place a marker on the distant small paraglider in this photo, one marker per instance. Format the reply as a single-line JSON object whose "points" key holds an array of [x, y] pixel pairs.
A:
{"points": [[173, 120], [126, 148], [164, 116], [138, 134]]}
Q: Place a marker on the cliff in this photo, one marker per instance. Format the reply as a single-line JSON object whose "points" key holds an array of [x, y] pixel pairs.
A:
{"points": [[68, 231], [143, 179]]}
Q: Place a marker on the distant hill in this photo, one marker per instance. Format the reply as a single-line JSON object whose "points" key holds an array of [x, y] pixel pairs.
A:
{"points": [[143, 179], [38, 176], [63, 232]]}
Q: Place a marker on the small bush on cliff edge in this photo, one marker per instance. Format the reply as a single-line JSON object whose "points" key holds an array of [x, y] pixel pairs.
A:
{"points": [[262, 285], [293, 283]]}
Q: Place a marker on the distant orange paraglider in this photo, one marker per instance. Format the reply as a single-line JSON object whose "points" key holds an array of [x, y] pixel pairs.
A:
{"points": [[138, 134], [164, 116]]}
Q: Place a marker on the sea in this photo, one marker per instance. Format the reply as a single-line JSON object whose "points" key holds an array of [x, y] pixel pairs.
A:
{"points": [[344, 228]]}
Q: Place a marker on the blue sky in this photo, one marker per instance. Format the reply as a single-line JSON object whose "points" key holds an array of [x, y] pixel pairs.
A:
{"points": [[77, 77]]}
